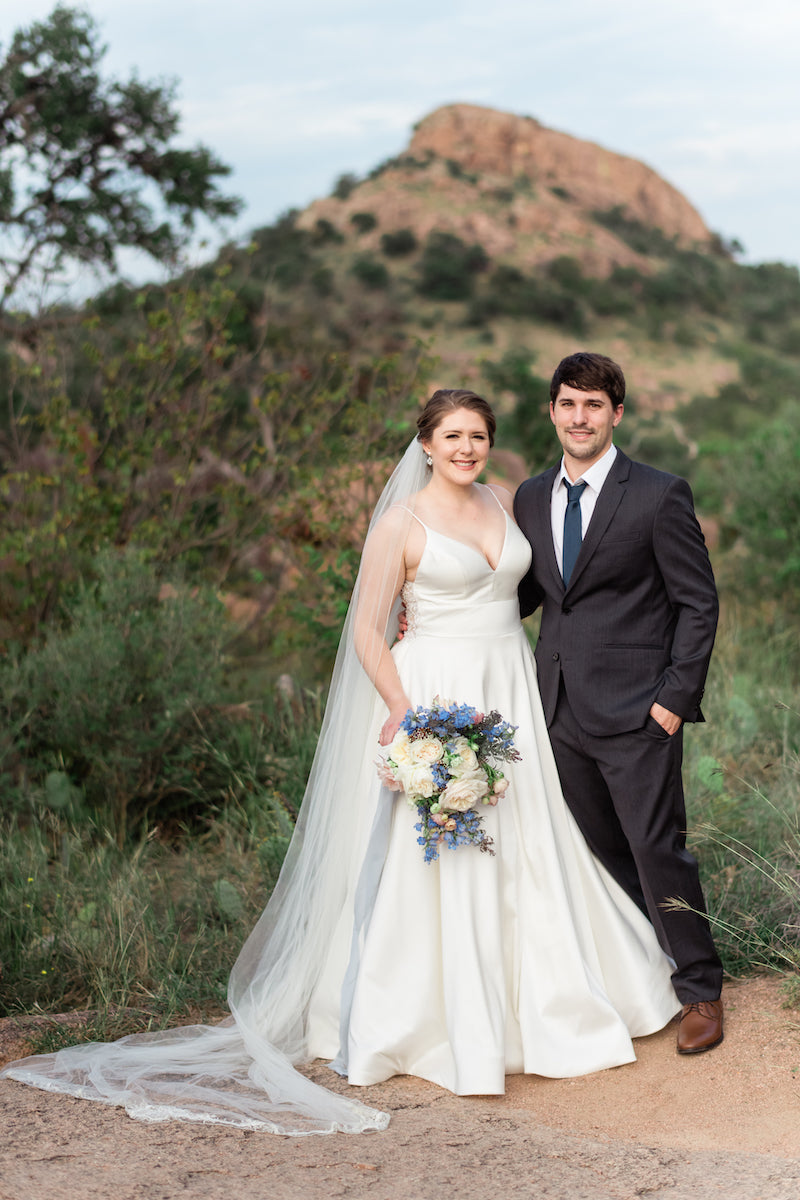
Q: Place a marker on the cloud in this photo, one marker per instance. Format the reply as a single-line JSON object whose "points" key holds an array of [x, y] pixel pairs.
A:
{"points": [[704, 91]]}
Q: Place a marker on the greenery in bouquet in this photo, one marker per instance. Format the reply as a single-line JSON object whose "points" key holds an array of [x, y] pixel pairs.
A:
{"points": [[444, 759]]}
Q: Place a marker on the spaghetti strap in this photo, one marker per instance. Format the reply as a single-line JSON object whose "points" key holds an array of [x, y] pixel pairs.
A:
{"points": [[500, 504], [411, 513]]}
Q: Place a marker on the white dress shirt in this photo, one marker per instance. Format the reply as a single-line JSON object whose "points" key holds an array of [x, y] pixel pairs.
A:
{"points": [[594, 478]]}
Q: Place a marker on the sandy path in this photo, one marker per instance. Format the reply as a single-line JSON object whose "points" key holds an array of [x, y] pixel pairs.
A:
{"points": [[724, 1124]]}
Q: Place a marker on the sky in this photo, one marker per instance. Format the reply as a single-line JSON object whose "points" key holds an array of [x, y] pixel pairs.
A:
{"points": [[294, 94]]}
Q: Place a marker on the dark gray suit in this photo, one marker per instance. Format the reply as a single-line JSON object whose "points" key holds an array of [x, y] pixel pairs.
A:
{"points": [[636, 625]]}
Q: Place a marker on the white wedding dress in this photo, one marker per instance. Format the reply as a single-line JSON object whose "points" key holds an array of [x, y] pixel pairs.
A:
{"points": [[473, 967], [460, 971]]}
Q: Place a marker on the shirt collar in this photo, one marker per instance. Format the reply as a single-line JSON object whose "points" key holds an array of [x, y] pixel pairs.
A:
{"points": [[595, 475]]}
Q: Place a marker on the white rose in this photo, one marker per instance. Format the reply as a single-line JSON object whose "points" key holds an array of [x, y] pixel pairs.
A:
{"points": [[400, 749], [466, 760], [464, 793], [426, 750], [417, 780]]}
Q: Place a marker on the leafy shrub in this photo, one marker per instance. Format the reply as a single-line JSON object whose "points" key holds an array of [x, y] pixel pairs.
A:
{"points": [[402, 241], [322, 281], [196, 429], [568, 272], [345, 185], [325, 232], [281, 252], [644, 239], [763, 477], [546, 298], [456, 170], [403, 162], [369, 271], [617, 295], [105, 712], [447, 267], [527, 429], [363, 221]]}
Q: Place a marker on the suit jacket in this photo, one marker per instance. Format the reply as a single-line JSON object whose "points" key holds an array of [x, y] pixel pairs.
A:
{"points": [[637, 622]]}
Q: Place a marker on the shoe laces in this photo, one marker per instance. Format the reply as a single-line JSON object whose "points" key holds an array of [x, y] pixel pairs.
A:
{"points": [[702, 1007]]}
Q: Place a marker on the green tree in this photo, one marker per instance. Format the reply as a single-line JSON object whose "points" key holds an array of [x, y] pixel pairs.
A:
{"points": [[198, 430], [369, 271], [528, 428], [447, 267], [89, 165], [402, 241]]}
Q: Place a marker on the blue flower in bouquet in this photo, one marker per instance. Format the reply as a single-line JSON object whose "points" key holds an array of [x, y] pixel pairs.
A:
{"points": [[444, 758]]}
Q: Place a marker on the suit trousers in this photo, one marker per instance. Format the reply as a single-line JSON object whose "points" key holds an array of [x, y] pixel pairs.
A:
{"points": [[626, 794]]}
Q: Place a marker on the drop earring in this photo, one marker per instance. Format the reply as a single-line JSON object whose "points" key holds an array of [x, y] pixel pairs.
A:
{"points": [[429, 461]]}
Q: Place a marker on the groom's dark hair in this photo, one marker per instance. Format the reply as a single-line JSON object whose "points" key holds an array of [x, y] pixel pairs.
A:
{"points": [[589, 372]]}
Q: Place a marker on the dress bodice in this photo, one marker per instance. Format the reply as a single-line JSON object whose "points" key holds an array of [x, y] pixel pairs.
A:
{"points": [[457, 593]]}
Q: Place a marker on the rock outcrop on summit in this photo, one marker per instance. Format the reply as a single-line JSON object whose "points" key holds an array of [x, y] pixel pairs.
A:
{"points": [[525, 192], [497, 143]]}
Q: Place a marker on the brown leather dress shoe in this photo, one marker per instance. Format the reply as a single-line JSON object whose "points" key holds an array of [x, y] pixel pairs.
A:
{"points": [[700, 1026]]}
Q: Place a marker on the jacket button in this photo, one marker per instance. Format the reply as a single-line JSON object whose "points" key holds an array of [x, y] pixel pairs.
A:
{"points": [[555, 657], [566, 611]]}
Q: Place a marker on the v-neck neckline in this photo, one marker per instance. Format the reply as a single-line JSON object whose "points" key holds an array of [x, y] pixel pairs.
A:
{"points": [[468, 545]]}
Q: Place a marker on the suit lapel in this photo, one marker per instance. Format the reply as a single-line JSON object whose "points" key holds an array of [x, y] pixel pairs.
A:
{"points": [[608, 501], [544, 522]]}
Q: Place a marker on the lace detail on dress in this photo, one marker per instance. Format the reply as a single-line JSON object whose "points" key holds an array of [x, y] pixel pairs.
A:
{"points": [[409, 598]]}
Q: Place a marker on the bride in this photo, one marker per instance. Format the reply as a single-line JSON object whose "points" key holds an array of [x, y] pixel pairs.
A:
{"points": [[461, 970]]}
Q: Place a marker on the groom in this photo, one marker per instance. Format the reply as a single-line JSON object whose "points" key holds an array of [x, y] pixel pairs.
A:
{"points": [[629, 613]]}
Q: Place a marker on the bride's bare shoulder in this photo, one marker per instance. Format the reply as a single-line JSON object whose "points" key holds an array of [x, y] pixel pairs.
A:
{"points": [[395, 523], [505, 497]]}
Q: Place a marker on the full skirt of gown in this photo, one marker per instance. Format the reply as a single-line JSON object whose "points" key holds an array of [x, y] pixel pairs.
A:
{"points": [[472, 967]]}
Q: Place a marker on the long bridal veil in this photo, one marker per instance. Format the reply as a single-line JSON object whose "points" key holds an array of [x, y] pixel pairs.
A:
{"points": [[243, 1071]]}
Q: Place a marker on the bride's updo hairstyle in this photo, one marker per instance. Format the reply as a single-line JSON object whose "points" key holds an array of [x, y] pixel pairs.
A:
{"points": [[447, 400]]}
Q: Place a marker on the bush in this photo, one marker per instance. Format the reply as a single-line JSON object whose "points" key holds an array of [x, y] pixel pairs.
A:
{"points": [[644, 239], [363, 221], [281, 252], [402, 241], [528, 429], [370, 272], [105, 715], [448, 266], [618, 295], [556, 297], [325, 233], [322, 281], [763, 476], [345, 185], [456, 171]]}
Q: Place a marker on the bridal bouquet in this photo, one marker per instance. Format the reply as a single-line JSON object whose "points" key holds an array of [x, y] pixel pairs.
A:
{"points": [[443, 758]]}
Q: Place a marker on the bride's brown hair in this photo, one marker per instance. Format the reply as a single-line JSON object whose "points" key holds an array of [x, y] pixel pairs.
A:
{"points": [[447, 400]]}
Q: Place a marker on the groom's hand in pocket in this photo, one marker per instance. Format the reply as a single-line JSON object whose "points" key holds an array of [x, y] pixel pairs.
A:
{"points": [[670, 722]]}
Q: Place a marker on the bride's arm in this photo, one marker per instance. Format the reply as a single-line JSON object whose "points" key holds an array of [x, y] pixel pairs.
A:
{"points": [[383, 572]]}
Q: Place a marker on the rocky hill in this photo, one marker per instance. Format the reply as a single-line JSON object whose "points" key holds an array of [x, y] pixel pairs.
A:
{"points": [[521, 190]]}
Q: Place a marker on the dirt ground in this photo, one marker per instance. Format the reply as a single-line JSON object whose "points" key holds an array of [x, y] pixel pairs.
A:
{"points": [[669, 1127]]}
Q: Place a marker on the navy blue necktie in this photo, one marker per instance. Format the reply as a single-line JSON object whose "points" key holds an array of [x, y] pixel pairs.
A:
{"points": [[572, 528]]}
